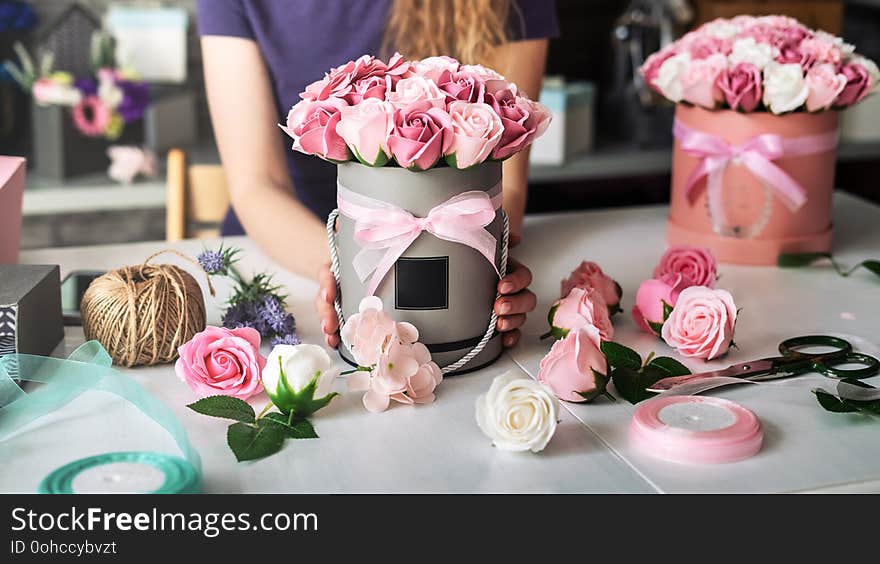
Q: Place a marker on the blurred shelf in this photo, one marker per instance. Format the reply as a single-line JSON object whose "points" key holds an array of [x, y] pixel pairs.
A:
{"points": [[629, 161]]}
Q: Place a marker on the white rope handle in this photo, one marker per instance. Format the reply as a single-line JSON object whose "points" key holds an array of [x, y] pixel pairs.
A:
{"points": [[493, 318]]}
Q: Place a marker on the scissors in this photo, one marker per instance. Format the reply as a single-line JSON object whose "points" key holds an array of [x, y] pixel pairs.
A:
{"points": [[793, 362]]}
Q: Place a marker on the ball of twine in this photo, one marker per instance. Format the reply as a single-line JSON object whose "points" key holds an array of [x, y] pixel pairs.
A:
{"points": [[142, 314]]}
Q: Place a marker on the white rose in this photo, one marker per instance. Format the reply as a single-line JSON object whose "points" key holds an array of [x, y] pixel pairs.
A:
{"points": [[110, 94], [670, 74], [290, 369], [785, 88], [747, 50], [721, 29], [517, 413], [416, 89]]}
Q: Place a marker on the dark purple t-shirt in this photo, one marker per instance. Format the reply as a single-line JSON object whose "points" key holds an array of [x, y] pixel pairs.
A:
{"points": [[302, 39]]}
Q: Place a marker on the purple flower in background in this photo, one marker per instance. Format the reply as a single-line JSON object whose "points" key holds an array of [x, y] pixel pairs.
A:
{"points": [[16, 16], [234, 317], [135, 99], [87, 85], [273, 313], [286, 339], [213, 262]]}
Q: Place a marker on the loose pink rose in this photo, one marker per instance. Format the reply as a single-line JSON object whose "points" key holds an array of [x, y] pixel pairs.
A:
{"points": [[417, 89], [858, 84], [368, 331], [476, 131], [366, 128], [702, 323], [575, 364], [699, 84], [742, 87], [697, 265], [654, 296], [462, 85], [589, 275], [825, 84], [422, 134], [312, 125], [582, 306], [221, 361], [432, 67]]}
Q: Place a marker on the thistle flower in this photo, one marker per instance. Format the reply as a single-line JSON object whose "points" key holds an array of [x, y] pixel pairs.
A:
{"points": [[286, 339]]}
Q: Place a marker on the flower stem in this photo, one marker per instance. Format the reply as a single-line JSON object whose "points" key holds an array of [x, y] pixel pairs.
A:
{"points": [[269, 406], [649, 359], [546, 335], [608, 395]]}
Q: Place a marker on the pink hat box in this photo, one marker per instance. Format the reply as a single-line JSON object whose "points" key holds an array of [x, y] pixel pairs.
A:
{"points": [[758, 226]]}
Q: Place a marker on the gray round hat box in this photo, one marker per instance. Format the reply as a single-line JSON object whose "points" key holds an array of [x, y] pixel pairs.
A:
{"points": [[446, 289]]}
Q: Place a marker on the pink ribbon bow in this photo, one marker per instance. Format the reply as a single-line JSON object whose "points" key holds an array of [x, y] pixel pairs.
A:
{"points": [[757, 154], [385, 231]]}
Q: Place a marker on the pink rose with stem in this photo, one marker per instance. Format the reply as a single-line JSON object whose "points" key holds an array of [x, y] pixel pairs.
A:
{"points": [[220, 361], [590, 275], [582, 306], [365, 128], [825, 84], [422, 134], [702, 323], [414, 89], [742, 87], [575, 369], [696, 264], [476, 131], [655, 298], [858, 85], [312, 125]]}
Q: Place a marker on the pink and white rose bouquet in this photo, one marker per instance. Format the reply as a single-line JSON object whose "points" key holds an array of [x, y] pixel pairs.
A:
{"points": [[768, 63], [414, 114]]}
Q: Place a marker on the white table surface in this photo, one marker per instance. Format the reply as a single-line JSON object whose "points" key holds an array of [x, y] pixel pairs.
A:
{"points": [[438, 447]]}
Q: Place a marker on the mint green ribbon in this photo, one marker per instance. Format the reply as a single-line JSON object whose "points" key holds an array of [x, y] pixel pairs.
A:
{"points": [[89, 367]]}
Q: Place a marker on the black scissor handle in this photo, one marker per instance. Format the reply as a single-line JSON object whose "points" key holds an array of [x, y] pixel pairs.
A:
{"points": [[789, 347], [869, 366]]}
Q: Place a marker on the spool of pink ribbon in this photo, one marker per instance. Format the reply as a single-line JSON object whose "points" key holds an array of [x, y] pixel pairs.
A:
{"points": [[695, 430]]}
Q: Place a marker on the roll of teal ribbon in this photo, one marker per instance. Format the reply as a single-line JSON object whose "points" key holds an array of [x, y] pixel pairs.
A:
{"points": [[63, 380]]}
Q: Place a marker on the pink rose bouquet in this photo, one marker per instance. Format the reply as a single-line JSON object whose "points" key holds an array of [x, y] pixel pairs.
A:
{"points": [[768, 63], [414, 114], [220, 361]]}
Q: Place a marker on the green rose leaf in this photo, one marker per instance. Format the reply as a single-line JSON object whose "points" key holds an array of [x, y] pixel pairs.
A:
{"points": [[252, 442], [632, 384], [657, 328], [797, 260], [832, 403], [296, 429], [669, 366], [620, 356], [667, 311], [225, 407], [873, 266]]}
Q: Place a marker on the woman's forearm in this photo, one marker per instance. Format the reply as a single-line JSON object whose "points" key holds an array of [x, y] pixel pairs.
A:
{"points": [[515, 186], [284, 228]]}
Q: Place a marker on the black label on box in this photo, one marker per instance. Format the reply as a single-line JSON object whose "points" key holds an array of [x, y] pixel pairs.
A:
{"points": [[421, 283]]}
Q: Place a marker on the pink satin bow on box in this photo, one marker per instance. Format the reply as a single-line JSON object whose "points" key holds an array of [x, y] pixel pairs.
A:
{"points": [[757, 154], [385, 231]]}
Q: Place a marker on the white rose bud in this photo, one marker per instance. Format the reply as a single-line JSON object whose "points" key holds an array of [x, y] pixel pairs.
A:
{"points": [[299, 378], [785, 88], [517, 413], [670, 76], [747, 50]]}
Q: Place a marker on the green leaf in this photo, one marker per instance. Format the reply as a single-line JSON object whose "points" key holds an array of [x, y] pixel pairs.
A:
{"points": [[831, 403], [669, 366], [632, 384], [621, 356], [252, 442], [225, 407], [667, 310], [296, 429], [797, 260], [872, 265]]}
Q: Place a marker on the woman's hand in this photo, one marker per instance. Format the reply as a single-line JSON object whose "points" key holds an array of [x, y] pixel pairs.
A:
{"points": [[515, 302]]}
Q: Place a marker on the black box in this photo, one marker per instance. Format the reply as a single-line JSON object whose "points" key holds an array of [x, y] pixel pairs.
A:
{"points": [[30, 309]]}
